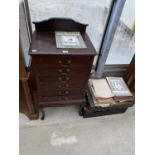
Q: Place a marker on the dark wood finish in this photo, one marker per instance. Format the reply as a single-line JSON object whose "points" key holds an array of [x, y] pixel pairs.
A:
{"points": [[44, 43], [22, 102], [26, 105], [60, 24], [22, 71], [129, 76], [25, 102], [61, 79], [90, 110]]}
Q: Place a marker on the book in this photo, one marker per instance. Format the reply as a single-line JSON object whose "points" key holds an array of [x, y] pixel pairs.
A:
{"points": [[69, 40], [119, 89], [124, 98], [100, 92], [101, 88]]}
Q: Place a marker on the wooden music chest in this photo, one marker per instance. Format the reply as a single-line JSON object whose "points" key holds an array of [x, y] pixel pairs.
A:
{"points": [[61, 78]]}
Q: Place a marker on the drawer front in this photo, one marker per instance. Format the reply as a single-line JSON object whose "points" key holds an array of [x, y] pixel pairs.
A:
{"points": [[61, 92], [58, 71], [61, 79], [69, 87], [62, 84], [60, 98], [63, 61]]}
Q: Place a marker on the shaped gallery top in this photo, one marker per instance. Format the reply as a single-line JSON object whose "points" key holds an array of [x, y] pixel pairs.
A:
{"points": [[60, 36]]}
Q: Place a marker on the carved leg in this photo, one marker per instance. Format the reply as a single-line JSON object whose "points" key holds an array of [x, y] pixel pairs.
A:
{"points": [[81, 108], [43, 113]]}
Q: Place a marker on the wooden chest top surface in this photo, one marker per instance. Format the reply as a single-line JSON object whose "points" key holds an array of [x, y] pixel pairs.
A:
{"points": [[44, 43]]}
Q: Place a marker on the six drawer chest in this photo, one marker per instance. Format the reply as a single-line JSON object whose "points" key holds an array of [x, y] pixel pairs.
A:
{"points": [[60, 74]]}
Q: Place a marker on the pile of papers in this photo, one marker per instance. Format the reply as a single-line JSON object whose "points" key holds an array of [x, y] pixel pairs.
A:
{"points": [[101, 92], [109, 91]]}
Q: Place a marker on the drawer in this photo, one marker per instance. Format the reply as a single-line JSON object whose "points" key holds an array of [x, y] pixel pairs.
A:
{"points": [[61, 78], [55, 84], [59, 92], [62, 61], [61, 85], [60, 98], [68, 71]]}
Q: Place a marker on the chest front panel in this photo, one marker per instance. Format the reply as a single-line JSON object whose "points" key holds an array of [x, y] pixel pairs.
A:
{"points": [[61, 79]]}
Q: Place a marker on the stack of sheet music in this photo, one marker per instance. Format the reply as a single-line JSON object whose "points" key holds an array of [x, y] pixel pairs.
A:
{"points": [[109, 91], [101, 92]]}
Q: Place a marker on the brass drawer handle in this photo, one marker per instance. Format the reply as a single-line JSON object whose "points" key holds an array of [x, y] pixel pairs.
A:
{"points": [[60, 78], [67, 78], [60, 70], [60, 61], [60, 92], [60, 86], [68, 61], [64, 71], [66, 92], [68, 70], [67, 85]]}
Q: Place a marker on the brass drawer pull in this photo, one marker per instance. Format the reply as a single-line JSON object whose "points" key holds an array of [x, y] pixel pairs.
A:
{"points": [[63, 92], [60, 61], [66, 92], [60, 70], [60, 78], [67, 85], [60, 92], [60, 86], [68, 70], [67, 78], [64, 71], [69, 61]]}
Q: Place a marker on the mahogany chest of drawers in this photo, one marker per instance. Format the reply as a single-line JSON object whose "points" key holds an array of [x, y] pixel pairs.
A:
{"points": [[61, 79]]}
